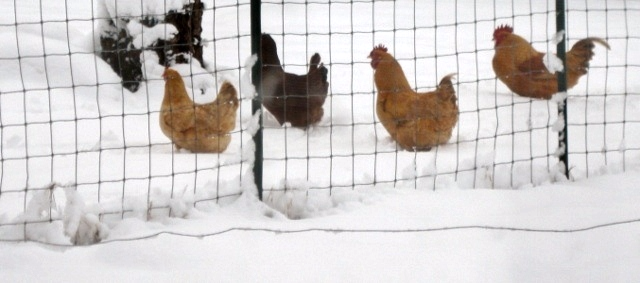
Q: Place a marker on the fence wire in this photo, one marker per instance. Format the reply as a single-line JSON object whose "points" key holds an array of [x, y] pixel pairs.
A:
{"points": [[68, 125]]}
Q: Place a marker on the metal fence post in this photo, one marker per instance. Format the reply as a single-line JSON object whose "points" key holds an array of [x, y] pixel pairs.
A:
{"points": [[256, 104], [563, 135]]}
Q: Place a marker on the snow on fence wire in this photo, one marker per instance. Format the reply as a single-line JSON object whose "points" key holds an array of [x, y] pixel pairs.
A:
{"points": [[80, 146]]}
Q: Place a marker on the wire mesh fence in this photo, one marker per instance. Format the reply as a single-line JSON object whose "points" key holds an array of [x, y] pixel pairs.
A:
{"points": [[602, 130], [69, 120], [496, 142], [75, 136]]}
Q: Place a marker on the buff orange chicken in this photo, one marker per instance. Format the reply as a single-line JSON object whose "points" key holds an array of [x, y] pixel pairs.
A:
{"points": [[197, 127], [416, 121]]}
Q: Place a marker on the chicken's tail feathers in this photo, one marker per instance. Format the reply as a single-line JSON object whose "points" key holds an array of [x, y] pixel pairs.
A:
{"points": [[315, 61], [227, 93], [582, 52], [314, 64], [446, 80], [599, 41], [585, 46], [324, 72], [445, 88]]}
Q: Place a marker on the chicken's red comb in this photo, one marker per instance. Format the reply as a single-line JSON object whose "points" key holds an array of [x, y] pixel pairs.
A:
{"points": [[503, 28], [380, 47]]}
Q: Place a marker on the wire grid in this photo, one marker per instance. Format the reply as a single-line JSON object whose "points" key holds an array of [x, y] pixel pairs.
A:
{"points": [[67, 122], [501, 140], [350, 149], [603, 121]]}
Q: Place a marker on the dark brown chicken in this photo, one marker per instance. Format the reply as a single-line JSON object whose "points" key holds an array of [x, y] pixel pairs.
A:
{"points": [[522, 69], [416, 121], [197, 127], [296, 99]]}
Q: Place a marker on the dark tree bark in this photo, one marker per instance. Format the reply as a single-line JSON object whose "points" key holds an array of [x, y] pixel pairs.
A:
{"points": [[119, 52], [124, 58], [188, 39]]}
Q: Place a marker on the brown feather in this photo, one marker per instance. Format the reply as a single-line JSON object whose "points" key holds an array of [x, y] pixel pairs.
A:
{"points": [[522, 70], [296, 99]]}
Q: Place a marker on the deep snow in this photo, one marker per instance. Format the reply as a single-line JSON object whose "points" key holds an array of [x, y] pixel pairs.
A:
{"points": [[276, 249]]}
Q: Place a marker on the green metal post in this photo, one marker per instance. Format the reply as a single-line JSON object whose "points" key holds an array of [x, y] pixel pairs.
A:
{"points": [[563, 135], [256, 104]]}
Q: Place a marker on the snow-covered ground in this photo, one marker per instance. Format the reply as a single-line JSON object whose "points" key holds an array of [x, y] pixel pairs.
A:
{"points": [[341, 203], [390, 235]]}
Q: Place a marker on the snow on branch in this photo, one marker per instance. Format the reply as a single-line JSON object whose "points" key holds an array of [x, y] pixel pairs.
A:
{"points": [[170, 28]]}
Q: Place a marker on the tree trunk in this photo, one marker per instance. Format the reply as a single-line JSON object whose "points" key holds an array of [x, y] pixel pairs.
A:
{"points": [[124, 58]]}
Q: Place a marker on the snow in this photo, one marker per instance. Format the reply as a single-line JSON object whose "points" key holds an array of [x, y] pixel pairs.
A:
{"points": [[155, 8], [387, 235], [81, 226], [340, 202], [550, 60], [144, 36]]}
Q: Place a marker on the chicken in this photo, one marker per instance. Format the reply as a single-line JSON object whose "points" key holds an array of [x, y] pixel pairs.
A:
{"points": [[197, 127], [416, 121], [521, 67], [296, 99]]}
